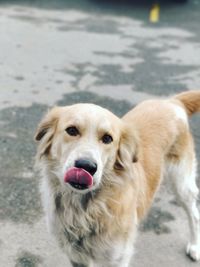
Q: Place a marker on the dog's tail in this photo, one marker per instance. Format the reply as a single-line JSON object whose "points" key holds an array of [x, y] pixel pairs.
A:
{"points": [[190, 100]]}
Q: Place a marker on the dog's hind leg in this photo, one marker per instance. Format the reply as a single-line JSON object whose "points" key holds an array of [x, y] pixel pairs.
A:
{"points": [[184, 184]]}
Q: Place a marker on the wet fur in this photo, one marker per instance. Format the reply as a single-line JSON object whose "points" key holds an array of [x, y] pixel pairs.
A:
{"points": [[152, 140]]}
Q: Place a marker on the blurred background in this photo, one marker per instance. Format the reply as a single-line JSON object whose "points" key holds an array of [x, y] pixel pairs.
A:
{"points": [[109, 52]]}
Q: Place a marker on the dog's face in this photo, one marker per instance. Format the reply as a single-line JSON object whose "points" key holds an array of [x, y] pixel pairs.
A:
{"points": [[84, 141]]}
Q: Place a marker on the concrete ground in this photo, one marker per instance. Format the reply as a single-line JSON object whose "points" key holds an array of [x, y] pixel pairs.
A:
{"points": [[105, 52]]}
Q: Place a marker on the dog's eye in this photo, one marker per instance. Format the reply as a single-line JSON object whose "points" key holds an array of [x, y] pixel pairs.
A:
{"points": [[107, 139], [72, 130]]}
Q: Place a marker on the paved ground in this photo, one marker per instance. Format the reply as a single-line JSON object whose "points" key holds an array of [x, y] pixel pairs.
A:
{"points": [[106, 52]]}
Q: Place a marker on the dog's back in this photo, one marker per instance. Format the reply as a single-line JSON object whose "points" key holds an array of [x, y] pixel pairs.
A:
{"points": [[167, 148]]}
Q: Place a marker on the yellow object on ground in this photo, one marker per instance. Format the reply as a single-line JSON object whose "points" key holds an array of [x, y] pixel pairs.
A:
{"points": [[154, 13]]}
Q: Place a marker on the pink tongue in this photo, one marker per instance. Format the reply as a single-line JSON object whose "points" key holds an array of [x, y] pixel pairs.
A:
{"points": [[78, 176]]}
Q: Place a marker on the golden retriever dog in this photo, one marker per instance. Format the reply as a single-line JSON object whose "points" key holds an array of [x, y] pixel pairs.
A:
{"points": [[100, 174]]}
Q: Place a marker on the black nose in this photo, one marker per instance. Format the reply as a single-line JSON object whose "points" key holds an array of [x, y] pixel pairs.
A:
{"points": [[86, 164]]}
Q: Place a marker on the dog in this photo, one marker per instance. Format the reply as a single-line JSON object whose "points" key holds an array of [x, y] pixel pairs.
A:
{"points": [[100, 174]]}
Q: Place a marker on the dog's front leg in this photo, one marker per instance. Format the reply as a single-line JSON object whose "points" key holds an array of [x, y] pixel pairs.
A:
{"points": [[123, 262]]}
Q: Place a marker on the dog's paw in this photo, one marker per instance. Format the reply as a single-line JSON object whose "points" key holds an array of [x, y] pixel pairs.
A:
{"points": [[193, 252]]}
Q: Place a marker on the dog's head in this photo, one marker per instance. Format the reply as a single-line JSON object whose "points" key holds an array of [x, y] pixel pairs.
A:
{"points": [[83, 143]]}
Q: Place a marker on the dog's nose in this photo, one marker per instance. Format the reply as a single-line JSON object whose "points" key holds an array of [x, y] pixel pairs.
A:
{"points": [[86, 164]]}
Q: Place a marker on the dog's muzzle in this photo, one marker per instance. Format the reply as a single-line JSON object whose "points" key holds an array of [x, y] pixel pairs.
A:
{"points": [[81, 175]]}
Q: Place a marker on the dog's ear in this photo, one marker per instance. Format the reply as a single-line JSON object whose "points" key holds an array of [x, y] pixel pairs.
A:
{"points": [[46, 129], [127, 151]]}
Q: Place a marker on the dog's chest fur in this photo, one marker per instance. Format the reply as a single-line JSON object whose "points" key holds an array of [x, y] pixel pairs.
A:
{"points": [[85, 228], [78, 227]]}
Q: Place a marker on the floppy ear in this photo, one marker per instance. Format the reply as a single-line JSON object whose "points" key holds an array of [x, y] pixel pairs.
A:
{"points": [[127, 151], [46, 129]]}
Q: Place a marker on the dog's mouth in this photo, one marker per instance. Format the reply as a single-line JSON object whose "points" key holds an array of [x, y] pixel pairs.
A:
{"points": [[78, 178]]}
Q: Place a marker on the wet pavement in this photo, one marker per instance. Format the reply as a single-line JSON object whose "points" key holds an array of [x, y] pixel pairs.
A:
{"points": [[104, 52]]}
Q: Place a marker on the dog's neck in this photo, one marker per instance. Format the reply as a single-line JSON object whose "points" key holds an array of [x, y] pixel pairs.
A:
{"points": [[84, 199]]}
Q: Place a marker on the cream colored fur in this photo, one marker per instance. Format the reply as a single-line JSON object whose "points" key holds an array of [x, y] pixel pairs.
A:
{"points": [[98, 226]]}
